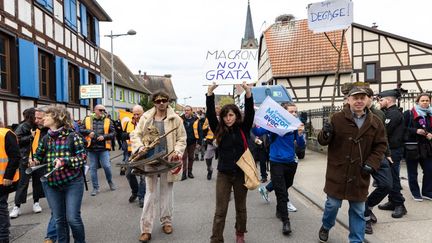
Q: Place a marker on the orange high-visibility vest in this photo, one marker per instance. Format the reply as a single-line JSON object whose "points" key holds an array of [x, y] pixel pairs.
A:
{"points": [[210, 134], [88, 121], [35, 141], [4, 160], [129, 129]]}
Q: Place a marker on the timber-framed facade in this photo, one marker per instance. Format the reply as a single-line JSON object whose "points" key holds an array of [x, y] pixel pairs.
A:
{"points": [[305, 63], [49, 48]]}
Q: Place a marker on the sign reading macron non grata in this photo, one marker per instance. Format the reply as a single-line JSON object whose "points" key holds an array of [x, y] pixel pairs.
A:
{"points": [[231, 66], [330, 15], [91, 91]]}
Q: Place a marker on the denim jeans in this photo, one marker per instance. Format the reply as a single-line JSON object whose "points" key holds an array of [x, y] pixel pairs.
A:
{"points": [[4, 217], [357, 222], [138, 189], [104, 159], [426, 165], [51, 228], [65, 203]]}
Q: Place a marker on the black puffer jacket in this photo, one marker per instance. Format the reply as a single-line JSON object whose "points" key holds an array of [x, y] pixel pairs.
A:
{"points": [[25, 140]]}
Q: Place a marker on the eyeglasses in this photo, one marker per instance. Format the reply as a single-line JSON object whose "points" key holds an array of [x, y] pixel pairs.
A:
{"points": [[160, 101], [102, 110]]}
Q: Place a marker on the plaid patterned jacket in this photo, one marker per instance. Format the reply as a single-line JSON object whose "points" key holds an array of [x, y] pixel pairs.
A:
{"points": [[68, 147]]}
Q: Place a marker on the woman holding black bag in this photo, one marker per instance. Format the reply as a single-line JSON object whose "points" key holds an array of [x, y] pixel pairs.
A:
{"points": [[418, 146]]}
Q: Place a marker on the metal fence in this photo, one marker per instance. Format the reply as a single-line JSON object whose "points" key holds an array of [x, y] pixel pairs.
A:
{"points": [[316, 117]]}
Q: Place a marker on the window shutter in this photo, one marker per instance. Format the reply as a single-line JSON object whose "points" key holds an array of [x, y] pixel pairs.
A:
{"points": [[62, 79], [67, 13], [98, 81], [96, 28], [49, 5], [73, 9], [29, 69], [83, 10], [83, 81]]}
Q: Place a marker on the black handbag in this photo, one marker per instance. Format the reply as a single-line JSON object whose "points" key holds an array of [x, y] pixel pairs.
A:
{"points": [[412, 151]]}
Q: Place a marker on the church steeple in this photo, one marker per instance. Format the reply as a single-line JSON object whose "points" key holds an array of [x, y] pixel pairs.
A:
{"points": [[249, 41]]}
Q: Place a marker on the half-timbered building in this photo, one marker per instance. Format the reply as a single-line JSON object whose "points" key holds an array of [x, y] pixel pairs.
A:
{"points": [[305, 63], [47, 49]]}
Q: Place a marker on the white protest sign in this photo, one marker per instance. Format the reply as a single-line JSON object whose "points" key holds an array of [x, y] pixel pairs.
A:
{"points": [[330, 15], [231, 66], [274, 118]]}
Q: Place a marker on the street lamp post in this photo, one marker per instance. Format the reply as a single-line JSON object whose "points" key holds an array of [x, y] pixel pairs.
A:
{"points": [[112, 36], [185, 98]]}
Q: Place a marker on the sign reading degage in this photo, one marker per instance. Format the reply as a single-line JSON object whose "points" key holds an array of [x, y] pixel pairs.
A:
{"points": [[330, 15], [231, 66], [91, 91]]}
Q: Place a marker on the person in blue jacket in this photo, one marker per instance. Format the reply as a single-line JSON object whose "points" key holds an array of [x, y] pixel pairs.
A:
{"points": [[283, 166]]}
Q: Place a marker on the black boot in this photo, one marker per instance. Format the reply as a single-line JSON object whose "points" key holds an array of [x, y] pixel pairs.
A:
{"points": [[387, 206], [373, 218], [368, 228], [184, 177], [190, 175], [209, 174], [286, 228], [399, 211]]}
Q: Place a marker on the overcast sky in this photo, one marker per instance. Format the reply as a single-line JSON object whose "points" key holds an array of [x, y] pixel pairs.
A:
{"points": [[173, 36]]}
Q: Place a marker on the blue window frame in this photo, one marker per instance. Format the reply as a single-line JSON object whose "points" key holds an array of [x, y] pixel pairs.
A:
{"points": [[47, 4], [70, 13]]}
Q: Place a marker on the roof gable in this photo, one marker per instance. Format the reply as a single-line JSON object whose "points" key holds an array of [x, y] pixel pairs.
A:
{"points": [[294, 50]]}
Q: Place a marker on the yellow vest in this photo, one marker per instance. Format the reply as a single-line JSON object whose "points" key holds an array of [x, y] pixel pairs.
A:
{"points": [[129, 127], [88, 121], [210, 134], [35, 141], [4, 160]]}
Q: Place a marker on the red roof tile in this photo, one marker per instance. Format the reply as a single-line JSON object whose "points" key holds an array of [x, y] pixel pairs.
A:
{"points": [[294, 50]]}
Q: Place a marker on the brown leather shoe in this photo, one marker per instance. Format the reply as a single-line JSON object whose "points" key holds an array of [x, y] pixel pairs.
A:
{"points": [[145, 237], [167, 229]]}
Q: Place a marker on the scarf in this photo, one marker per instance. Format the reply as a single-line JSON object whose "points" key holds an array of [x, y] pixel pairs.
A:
{"points": [[55, 133], [423, 111]]}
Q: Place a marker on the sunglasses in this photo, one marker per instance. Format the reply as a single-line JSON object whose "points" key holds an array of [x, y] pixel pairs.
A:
{"points": [[102, 110], [160, 101]]}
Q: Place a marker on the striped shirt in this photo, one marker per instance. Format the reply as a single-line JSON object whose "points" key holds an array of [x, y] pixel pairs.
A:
{"points": [[68, 147]]}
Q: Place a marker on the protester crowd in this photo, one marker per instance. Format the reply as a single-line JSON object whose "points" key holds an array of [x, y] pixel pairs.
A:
{"points": [[364, 142]]}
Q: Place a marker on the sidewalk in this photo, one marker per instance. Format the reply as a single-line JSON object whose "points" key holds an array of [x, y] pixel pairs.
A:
{"points": [[414, 227]]}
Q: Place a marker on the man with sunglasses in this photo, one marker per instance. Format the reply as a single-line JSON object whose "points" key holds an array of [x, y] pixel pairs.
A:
{"points": [[165, 119], [98, 131]]}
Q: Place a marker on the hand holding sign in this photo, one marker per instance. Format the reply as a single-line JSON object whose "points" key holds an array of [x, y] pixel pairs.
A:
{"points": [[211, 88], [247, 89]]}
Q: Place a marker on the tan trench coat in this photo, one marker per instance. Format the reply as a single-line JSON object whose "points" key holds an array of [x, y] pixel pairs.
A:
{"points": [[175, 141]]}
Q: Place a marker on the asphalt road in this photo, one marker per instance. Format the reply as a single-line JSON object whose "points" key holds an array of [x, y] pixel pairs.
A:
{"points": [[109, 217]]}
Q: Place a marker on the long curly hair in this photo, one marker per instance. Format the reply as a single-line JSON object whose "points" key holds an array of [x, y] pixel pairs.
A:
{"points": [[61, 116], [223, 128]]}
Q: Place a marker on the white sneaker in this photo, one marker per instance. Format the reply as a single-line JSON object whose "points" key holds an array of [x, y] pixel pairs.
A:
{"points": [[291, 207], [37, 208], [264, 193], [15, 212]]}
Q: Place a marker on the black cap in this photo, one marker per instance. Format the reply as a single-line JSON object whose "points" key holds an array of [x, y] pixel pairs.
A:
{"points": [[356, 91], [390, 93]]}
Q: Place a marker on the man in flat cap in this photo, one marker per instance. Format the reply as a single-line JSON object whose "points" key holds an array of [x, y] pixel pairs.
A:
{"points": [[356, 144], [394, 124]]}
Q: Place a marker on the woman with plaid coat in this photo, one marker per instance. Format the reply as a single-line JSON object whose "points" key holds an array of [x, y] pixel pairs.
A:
{"points": [[63, 150]]}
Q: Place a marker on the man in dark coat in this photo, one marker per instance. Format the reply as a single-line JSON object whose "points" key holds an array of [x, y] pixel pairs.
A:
{"points": [[394, 125], [356, 145]]}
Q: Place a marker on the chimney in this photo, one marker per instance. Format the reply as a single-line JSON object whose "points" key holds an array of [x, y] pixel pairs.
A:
{"points": [[167, 75], [284, 18], [374, 26]]}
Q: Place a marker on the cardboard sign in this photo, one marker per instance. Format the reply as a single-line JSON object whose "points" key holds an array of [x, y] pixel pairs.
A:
{"points": [[274, 118], [330, 15], [231, 66]]}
